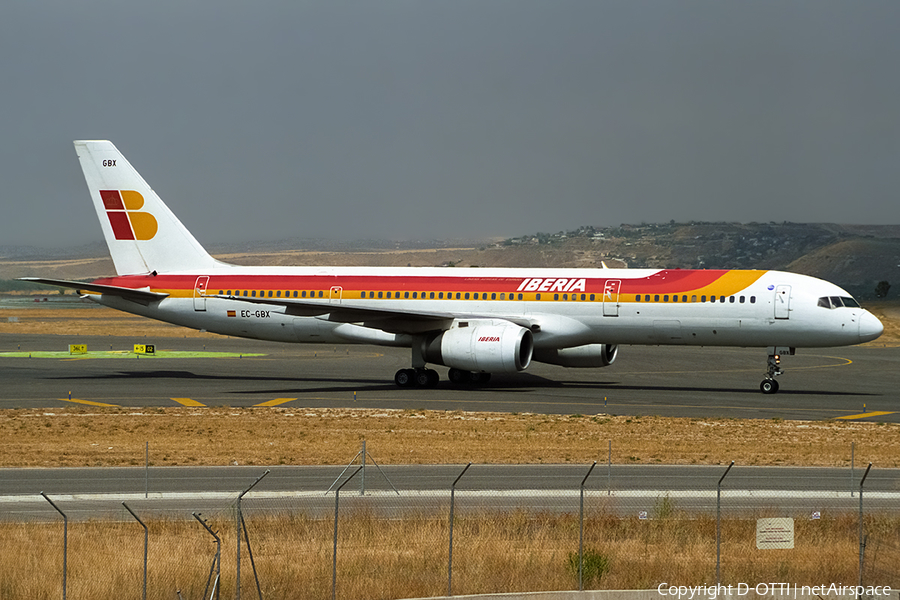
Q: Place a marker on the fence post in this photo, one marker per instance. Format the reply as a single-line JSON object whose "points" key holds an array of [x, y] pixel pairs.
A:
{"points": [[862, 540], [362, 476], [65, 539], [581, 531], [450, 557], [147, 470], [240, 520], [217, 561], [337, 498], [146, 539], [609, 469], [719, 524]]}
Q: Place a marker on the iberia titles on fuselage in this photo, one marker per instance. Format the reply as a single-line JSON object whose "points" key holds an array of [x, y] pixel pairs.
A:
{"points": [[475, 321]]}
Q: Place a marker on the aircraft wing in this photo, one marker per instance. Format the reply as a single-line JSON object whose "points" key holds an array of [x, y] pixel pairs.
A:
{"points": [[140, 296], [386, 319]]}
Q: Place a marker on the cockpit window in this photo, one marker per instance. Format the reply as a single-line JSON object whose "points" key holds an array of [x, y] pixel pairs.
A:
{"points": [[837, 302]]}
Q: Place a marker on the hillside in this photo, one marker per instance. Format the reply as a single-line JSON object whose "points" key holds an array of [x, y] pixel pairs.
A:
{"points": [[856, 257]]}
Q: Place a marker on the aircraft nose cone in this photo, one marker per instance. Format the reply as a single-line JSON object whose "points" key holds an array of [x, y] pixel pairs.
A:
{"points": [[869, 327]]}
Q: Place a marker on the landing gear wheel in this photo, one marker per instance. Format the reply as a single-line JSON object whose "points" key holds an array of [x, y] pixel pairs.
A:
{"points": [[477, 378], [405, 378], [457, 376], [427, 378], [768, 386]]}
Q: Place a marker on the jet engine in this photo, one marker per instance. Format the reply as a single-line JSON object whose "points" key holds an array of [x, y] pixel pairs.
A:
{"points": [[485, 346], [589, 356]]}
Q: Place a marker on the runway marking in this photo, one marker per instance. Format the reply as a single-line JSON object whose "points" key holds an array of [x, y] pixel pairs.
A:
{"points": [[187, 402], [875, 413], [88, 402], [275, 402]]}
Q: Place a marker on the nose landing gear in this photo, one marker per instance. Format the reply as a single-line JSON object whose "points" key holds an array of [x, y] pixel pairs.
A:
{"points": [[773, 368]]}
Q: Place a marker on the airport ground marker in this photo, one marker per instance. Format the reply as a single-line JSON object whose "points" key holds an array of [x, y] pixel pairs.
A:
{"points": [[275, 402], [88, 402], [187, 402], [876, 413]]}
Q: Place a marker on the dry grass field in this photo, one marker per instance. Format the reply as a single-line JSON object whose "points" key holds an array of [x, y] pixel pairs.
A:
{"points": [[275, 436], [381, 558]]}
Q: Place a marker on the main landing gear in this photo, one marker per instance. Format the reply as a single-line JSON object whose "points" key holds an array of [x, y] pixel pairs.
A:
{"points": [[428, 378], [773, 369], [422, 377]]}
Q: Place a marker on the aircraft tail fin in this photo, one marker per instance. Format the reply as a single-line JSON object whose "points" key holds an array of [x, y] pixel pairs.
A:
{"points": [[142, 234]]}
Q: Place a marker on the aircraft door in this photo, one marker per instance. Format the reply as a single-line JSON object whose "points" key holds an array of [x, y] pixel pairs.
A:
{"points": [[335, 295], [200, 292], [783, 302], [611, 297]]}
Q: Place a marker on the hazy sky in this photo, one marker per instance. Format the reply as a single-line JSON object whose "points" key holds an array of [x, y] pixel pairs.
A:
{"points": [[451, 118]]}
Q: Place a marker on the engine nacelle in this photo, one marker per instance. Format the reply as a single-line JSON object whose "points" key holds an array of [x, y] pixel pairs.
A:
{"points": [[482, 346], [590, 356]]}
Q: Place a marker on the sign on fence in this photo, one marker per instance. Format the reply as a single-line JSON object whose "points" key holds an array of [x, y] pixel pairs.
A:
{"points": [[775, 534]]}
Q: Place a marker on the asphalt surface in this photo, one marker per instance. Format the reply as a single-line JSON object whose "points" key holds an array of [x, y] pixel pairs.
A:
{"points": [[402, 489], [666, 381]]}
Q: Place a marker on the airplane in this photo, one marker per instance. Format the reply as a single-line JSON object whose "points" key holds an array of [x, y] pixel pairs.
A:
{"points": [[476, 321]]}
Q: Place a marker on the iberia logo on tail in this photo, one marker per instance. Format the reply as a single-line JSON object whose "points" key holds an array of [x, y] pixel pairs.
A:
{"points": [[127, 220]]}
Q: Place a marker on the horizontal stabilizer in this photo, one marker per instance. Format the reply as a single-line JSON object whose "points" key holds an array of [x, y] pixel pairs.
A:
{"points": [[144, 297]]}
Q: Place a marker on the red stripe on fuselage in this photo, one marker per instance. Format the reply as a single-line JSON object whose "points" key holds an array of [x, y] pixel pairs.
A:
{"points": [[669, 281]]}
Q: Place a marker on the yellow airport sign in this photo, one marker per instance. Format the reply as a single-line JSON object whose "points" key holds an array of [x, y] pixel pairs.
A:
{"points": [[77, 348], [144, 349]]}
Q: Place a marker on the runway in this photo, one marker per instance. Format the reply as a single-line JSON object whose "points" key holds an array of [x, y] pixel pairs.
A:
{"points": [[626, 489], [852, 382]]}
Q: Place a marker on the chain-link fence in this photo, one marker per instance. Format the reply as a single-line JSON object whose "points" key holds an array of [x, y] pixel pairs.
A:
{"points": [[388, 533]]}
